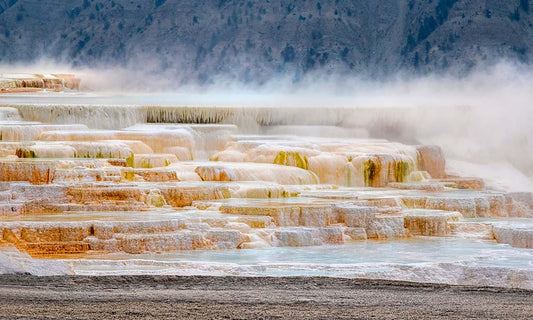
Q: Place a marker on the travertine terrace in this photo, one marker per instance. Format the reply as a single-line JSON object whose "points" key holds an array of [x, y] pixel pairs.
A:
{"points": [[159, 187], [14, 82]]}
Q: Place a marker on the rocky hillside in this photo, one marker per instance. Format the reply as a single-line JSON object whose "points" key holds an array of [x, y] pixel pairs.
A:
{"points": [[254, 40]]}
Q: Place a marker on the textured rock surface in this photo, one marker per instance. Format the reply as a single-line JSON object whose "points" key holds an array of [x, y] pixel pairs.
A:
{"points": [[10, 83]]}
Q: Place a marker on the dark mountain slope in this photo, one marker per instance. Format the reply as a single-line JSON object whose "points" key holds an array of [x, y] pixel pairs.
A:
{"points": [[254, 40]]}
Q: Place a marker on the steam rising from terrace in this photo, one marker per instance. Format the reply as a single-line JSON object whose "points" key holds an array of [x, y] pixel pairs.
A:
{"points": [[482, 117]]}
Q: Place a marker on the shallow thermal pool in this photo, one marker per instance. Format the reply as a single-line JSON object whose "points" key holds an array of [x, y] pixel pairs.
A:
{"points": [[434, 260]]}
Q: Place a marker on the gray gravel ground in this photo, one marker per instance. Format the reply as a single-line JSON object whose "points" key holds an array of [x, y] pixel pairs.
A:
{"points": [[174, 297]]}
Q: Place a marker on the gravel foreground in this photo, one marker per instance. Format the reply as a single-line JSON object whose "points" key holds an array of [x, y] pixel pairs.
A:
{"points": [[196, 297]]}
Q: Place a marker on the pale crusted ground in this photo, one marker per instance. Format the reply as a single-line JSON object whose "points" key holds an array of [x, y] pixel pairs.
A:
{"points": [[168, 297]]}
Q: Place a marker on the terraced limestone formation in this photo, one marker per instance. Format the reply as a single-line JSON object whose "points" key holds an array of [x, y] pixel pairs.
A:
{"points": [[68, 190], [14, 82]]}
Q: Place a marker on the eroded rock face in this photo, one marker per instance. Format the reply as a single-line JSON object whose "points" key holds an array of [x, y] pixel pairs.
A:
{"points": [[344, 162], [67, 189], [10, 83], [515, 234], [431, 159], [430, 222]]}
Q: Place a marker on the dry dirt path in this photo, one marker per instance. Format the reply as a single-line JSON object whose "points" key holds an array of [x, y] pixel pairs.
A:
{"points": [[168, 297]]}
